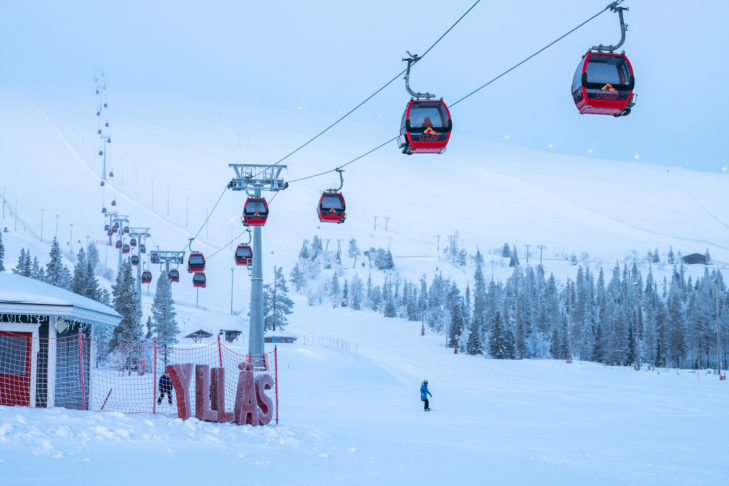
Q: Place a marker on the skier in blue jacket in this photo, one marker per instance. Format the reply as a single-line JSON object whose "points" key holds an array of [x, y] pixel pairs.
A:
{"points": [[424, 395]]}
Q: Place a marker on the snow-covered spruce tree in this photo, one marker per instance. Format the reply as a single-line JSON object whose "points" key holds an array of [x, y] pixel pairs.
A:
{"points": [[473, 345], [78, 284], [2, 254], [93, 291], [36, 270], [335, 290], [514, 260], [54, 267], [297, 278], [356, 292], [92, 255], [163, 324], [129, 330], [388, 309], [276, 302], [506, 251], [353, 250], [345, 294], [24, 266], [498, 341]]}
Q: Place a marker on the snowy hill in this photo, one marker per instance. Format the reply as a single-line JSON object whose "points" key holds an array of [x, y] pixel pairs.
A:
{"points": [[355, 418], [489, 193]]}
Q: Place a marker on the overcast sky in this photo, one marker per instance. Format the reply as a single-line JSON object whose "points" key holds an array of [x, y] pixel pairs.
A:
{"points": [[271, 61]]}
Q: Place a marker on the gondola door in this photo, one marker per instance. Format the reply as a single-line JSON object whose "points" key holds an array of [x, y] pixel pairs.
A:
{"points": [[15, 368]]}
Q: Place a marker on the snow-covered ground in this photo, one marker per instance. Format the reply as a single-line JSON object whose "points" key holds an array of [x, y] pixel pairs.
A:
{"points": [[354, 417]]}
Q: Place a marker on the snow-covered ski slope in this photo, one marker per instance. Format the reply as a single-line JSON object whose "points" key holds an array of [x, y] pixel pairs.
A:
{"points": [[355, 418], [491, 193]]}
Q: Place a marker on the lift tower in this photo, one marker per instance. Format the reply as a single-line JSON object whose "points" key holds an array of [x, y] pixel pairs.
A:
{"points": [[253, 179]]}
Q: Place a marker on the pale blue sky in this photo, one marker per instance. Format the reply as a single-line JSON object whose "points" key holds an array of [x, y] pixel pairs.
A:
{"points": [[267, 59]]}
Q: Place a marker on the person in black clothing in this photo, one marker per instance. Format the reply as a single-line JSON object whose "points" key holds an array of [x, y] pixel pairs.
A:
{"points": [[165, 386]]}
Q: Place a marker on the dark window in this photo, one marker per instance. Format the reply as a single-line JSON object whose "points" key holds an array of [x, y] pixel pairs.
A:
{"points": [[608, 69], [256, 207], [196, 260], [332, 202], [424, 115]]}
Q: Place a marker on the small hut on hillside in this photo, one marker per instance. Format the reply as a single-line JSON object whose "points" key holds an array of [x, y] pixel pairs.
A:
{"points": [[45, 348]]}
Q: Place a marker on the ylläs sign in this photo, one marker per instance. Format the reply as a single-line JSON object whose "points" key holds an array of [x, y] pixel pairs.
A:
{"points": [[252, 405]]}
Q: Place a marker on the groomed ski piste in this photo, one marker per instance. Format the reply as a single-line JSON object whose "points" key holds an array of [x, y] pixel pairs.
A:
{"points": [[355, 417]]}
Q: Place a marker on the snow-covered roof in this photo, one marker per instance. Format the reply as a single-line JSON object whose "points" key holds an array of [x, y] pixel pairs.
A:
{"points": [[23, 295]]}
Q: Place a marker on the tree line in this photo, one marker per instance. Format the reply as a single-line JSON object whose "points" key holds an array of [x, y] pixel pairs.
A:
{"points": [[611, 319]]}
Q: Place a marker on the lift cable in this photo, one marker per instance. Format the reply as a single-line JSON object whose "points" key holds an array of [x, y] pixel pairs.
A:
{"points": [[612, 5], [227, 186], [338, 120]]}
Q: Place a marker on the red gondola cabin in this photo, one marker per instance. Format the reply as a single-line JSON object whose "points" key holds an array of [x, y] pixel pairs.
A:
{"points": [[255, 211], [146, 276], [142, 248], [133, 242], [174, 275], [119, 244], [603, 84], [243, 255], [199, 280], [125, 248], [195, 262], [425, 128], [332, 208], [135, 260]]}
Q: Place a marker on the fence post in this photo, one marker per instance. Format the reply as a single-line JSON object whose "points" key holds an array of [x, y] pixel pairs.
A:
{"points": [[154, 382], [220, 352], [275, 361], [81, 362]]}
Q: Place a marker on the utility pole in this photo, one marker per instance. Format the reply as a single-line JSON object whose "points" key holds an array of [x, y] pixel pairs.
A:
{"points": [[527, 253], [387, 220], [438, 244], [637, 325], [256, 178], [541, 247], [375, 228], [41, 235], [232, 269], [168, 200]]}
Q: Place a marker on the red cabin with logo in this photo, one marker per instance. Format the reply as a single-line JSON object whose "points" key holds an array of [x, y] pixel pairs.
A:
{"points": [[603, 84], [331, 208], [255, 211], [425, 128]]}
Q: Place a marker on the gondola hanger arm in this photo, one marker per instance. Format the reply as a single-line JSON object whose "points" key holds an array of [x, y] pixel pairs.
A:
{"points": [[412, 60], [623, 29]]}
